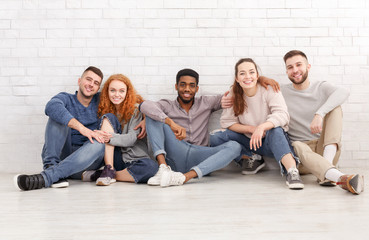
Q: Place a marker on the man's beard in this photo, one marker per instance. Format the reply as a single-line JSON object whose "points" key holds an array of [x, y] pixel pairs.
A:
{"points": [[303, 79], [184, 100]]}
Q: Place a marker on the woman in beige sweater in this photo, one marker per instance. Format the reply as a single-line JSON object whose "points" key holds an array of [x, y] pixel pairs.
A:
{"points": [[258, 121]]}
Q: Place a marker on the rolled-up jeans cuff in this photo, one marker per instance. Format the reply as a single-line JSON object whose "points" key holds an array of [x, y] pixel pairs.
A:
{"points": [[198, 171], [160, 152]]}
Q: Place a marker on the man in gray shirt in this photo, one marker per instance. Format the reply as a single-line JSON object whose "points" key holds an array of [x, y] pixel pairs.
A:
{"points": [[316, 124], [178, 133]]}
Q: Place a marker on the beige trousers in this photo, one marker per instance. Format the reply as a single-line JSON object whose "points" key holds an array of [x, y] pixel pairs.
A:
{"points": [[310, 153]]}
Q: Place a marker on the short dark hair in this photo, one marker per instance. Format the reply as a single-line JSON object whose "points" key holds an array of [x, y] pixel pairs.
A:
{"points": [[95, 70], [293, 53], [187, 72]]}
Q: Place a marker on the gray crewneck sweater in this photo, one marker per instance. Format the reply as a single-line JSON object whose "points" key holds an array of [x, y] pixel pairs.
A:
{"points": [[319, 98]]}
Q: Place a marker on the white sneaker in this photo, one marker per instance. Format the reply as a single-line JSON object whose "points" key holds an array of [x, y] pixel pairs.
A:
{"points": [[172, 179], [155, 180]]}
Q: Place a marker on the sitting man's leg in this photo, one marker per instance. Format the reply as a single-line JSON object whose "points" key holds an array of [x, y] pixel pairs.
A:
{"points": [[57, 143], [320, 156], [161, 137], [57, 146], [88, 156]]}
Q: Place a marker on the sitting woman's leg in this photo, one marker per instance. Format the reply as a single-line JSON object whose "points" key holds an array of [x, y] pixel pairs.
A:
{"points": [[138, 171], [277, 142], [109, 124]]}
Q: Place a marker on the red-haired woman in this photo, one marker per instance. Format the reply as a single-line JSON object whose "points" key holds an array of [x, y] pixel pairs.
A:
{"points": [[126, 156], [259, 120]]}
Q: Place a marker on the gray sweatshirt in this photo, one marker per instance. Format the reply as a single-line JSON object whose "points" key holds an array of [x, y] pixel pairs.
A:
{"points": [[320, 98], [131, 147]]}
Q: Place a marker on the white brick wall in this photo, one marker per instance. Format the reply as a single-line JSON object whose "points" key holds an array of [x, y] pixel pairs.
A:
{"points": [[45, 45]]}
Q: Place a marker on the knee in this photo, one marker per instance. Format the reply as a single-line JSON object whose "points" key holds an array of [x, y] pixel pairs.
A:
{"points": [[112, 120], [234, 146], [216, 137], [95, 148]]}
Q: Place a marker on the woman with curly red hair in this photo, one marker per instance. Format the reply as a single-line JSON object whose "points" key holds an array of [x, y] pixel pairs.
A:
{"points": [[126, 156]]}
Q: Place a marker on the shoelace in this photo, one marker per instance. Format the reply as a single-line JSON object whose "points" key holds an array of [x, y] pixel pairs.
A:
{"points": [[294, 175], [250, 163]]}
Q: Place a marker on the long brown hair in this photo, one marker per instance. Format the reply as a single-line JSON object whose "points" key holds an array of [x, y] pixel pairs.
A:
{"points": [[128, 106], [239, 104]]}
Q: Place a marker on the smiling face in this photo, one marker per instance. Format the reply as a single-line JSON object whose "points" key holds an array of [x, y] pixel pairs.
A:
{"points": [[187, 89], [117, 92], [247, 75], [297, 68], [89, 84]]}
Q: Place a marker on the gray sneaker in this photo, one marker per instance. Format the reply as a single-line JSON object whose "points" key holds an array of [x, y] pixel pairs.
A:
{"points": [[293, 180], [252, 165]]}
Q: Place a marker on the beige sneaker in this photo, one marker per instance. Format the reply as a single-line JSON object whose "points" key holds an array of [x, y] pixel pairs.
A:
{"points": [[352, 183]]}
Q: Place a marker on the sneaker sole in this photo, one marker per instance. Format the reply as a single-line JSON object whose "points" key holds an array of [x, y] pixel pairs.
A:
{"points": [[295, 186], [15, 181], [153, 183], [244, 172], [357, 181], [327, 184], [60, 185], [101, 183]]}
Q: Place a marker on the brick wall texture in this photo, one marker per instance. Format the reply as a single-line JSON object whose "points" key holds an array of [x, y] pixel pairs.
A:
{"points": [[45, 45]]}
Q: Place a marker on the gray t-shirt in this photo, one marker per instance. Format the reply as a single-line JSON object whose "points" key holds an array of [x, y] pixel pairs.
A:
{"points": [[319, 98]]}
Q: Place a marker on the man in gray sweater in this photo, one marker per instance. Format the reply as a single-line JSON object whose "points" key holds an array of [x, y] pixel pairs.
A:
{"points": [[316, 124]]}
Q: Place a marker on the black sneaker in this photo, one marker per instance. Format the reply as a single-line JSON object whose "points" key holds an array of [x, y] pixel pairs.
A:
{"points": [[293, 179], [252, 165], [29, 182], [62, 183]]}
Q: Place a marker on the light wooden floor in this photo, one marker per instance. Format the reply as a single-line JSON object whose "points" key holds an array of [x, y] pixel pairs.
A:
{"points": [[225, 205]]}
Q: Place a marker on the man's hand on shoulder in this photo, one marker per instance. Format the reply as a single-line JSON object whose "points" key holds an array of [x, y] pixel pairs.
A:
{"points": [[264, 81], [179, 132], [141, 125], [317, 124], [227, 100]]}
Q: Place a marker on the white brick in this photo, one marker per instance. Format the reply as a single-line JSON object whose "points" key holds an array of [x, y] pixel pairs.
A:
{"points": [[150, 4], [355, 60], [204, 3], [176, 4], [354, 4], [73, 3], [278, 13], [325, 4], [298, 4]]}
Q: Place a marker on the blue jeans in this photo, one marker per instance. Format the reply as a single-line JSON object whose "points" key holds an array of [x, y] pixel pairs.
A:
{"points": [[182, 156], [275, 144], [142, 169], [64, 159]]}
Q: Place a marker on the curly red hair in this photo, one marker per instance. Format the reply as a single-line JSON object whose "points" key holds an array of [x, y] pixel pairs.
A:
{"points": [[128, 106]]}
